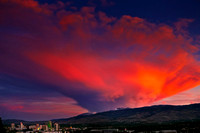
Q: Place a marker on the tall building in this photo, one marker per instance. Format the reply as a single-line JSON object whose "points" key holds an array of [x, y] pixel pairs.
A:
{"points": [[37, 127], [49, 125], [45, 127], [33, 127], [21, 126], [12, 126], [56, 125], [41, 126]]}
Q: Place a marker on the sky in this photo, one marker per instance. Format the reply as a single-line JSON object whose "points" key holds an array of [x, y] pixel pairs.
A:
{"points": [[62, 58]]}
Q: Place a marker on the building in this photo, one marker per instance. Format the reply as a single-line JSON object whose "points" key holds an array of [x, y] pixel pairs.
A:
{"points": [[56, 125], [37, 127], [21, 126], [12, 126], [49, 125], [45, 127], [33, 127], [41, 126]]}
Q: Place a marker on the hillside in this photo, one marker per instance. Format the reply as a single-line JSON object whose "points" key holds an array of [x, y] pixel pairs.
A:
{"points": [[151, 114]]}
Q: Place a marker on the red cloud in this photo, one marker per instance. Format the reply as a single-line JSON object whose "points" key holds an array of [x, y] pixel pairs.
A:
{"points": [[187, 97], [57, 107], [128, 59], [131, 58], [26, 3], [34, 5], [13, 107]]}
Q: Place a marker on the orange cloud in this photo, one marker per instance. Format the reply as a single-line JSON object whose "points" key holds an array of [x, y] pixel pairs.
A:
{"points": [[140, 61], [128, 59]]}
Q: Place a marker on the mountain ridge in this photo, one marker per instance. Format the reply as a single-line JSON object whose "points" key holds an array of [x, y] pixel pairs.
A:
{"points": [[147, 114]]}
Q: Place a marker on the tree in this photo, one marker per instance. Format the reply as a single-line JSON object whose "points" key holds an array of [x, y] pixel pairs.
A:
{"points": [[2, 129]]}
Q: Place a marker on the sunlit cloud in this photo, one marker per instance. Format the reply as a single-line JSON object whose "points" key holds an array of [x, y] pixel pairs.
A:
{"points": [[92, 58]]}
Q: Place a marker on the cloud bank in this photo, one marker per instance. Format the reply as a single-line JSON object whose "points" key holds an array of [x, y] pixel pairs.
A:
{"points": [[99, 61]]}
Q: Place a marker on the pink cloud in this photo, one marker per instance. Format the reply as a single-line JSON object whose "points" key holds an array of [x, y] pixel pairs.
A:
{"points": [[160, 62], [127, 59], [187, 97], [59, 106]]}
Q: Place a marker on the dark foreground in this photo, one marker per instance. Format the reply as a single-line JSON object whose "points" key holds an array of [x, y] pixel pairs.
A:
{"points": [[171, 127]]}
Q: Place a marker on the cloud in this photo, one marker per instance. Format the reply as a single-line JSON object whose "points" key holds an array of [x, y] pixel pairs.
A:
{"points": [[98, 60], [187, 97], [40, 109]]}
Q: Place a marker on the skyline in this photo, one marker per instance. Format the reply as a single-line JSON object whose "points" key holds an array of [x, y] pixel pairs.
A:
{"points": [[62, 58]]}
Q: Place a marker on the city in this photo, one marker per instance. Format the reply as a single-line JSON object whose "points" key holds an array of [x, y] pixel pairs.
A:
{"points": [[55, 128], [21, 128]]}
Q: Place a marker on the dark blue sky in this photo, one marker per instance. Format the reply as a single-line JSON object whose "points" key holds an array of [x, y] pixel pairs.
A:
{"points": [[157, 11]]}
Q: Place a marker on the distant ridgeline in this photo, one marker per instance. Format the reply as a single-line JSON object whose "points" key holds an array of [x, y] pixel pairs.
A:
{"points": [[145, 115], [151, 114]]}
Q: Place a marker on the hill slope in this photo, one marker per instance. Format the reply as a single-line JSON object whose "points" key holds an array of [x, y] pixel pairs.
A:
{"points": [[152, 114]]}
